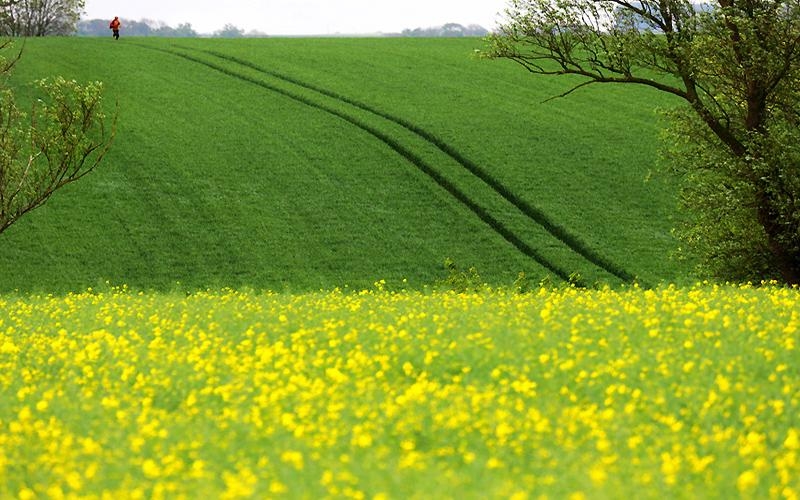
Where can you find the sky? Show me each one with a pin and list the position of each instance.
(303, 17)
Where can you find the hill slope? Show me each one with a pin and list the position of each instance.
(290, 163)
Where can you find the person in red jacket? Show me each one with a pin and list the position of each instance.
(114, 27)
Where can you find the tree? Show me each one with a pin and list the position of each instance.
(39, 17)
(229, 31)
(183, 30)
(447, 30)
(736, 63)
(94, 27)
(133, 28)
(62, 140)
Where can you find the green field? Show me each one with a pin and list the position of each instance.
(297, 164)
(238, 302)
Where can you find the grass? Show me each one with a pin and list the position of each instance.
(295, 164)
(663, 393)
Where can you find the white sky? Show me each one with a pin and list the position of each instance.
(303, 17)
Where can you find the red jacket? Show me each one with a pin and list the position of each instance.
(115, 24)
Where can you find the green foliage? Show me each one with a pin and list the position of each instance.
(224, 175)
(776, 166)
(460, 280)
(22, 18)
(62, 141)
(735, 64)
(522, 284)
(721, 230)
(717, 230)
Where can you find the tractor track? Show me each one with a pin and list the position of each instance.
(530, 212)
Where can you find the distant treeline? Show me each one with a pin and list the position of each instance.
(447, 30)
(147, 27)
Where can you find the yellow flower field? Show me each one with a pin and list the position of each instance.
(562, 393)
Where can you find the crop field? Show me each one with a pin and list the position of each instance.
(248, 298)
(560, 393)
(388, 156)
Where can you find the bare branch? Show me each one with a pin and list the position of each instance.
(568, 92)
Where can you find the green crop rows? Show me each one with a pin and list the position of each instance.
(312, 163)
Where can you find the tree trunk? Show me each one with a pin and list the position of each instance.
(785, 262)
(756, 105)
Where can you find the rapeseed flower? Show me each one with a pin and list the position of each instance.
(670, 392)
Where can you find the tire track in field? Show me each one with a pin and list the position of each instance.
(406, 153)
(534, 214)
(393, 144)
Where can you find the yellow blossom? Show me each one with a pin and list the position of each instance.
(746, 481)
